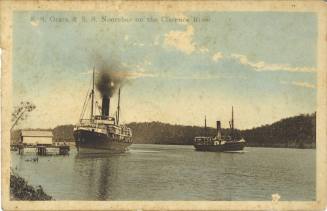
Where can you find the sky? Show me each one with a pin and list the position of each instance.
(178, 70)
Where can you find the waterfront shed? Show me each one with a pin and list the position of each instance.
(36, 137)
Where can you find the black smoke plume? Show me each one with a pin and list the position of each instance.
(108, 81)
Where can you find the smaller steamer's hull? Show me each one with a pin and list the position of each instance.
(233, 146)
(89, 142)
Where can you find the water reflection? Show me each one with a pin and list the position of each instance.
(105, 180)
(101, 172)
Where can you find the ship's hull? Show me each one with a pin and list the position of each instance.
(94, 142)
(232, 146)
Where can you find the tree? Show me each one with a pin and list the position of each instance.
(21, 112)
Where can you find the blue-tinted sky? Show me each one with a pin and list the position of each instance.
(262, 63)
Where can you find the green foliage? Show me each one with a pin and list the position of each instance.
(21, 110)
(163, 133)
(14, 136)
(20, 190)
(63, 133)
(298, 131)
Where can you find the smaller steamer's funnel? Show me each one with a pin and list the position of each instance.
(218, 130)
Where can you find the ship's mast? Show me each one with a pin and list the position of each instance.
(232, 124)
(92, 96)
(205, 125)
(118, 106)
(232, 118)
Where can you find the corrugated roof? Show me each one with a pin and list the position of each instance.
(37, 133)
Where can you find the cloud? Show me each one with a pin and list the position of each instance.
(181, 40)
(140, 70)
(35, 23)
(203, 50)
(200, 77)
(138, 44)
(156, 40)
(300, 83)
(142, 66)
(127, 74)
(217, 56)
(134, 74)
(131, 71)
(263, 66)
(304, 84)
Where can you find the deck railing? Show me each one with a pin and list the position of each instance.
(112, 128)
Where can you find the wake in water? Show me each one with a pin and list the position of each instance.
(142, 151)
(240, 151)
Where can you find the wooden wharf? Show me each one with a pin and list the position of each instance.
(43, 149)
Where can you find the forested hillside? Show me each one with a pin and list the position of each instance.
(63, 133)
(297, 131)
(163, 133)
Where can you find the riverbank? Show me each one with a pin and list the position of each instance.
(307, 146)
(21, 190)
(293, 146)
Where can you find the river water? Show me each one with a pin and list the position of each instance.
(169, 172)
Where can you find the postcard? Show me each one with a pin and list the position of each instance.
(163, 105)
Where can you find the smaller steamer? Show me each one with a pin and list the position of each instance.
(219, 143)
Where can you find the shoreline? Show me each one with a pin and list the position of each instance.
(20, 190)
(72, 144)
(259, 146)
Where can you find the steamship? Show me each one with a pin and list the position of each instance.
(101, 133)
(219, 143)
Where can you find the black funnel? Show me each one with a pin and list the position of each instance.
(105, 106)
(218, 129)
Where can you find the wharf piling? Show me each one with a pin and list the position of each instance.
(43, 150)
